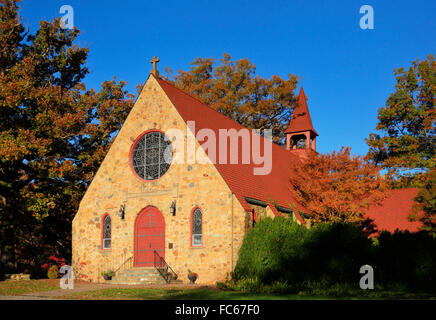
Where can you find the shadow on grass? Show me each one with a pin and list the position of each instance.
(206, 293)
(211, 293)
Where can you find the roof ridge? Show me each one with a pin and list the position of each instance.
(240, 179)
(206, 105)
(223, 115)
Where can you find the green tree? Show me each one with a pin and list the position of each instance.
(53, 135)
(406, 144)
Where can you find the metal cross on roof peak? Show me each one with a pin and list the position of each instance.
(154, 61)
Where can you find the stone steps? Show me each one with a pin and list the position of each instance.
(141, 275)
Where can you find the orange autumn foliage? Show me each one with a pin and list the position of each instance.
(336, 186)
(233, 88)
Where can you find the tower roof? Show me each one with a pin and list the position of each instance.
(301, 120)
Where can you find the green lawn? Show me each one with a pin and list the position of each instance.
(9, 288)
(216, 294)
(176, 294)
(13, 288)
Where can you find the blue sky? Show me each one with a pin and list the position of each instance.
(347, 72)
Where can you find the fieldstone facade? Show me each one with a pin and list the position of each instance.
(190, 185)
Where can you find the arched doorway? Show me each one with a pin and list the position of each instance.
(149, 236)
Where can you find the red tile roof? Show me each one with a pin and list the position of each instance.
(301, 120)
(393, 212)
(272, 188)
(275, 187)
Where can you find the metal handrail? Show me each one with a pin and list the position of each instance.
(117, 264)
(163, 268)
(128, 260)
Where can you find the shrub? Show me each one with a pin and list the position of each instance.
(335, 252)
(53, 272)
(278, 287)
(53, 261)
(279, 250)
(222, 285)
(249, 285)
(109, 273)
(271, 251)
(407, 258)
(278, 255)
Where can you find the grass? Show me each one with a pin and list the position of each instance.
(176, 294)
(210, 293)
(13, 288)
(377, 294)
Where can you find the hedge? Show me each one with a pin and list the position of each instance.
(281, 251)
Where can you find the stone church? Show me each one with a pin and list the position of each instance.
(150, 218)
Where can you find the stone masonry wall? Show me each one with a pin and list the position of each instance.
(190, 185)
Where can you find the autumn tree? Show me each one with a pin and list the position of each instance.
(405, 143)
(335, 187)
(232, 88)
(53, 135)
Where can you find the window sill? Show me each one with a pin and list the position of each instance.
(196, 247)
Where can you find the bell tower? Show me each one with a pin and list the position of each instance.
(300, 134)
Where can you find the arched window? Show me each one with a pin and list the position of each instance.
(106, 232)
(197, 228)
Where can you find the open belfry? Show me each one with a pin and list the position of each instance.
(300, 135)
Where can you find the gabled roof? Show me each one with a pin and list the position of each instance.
(393, 212)
(301, 120)
(273, 188)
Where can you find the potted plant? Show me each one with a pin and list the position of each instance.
(192, 276)
(171, 276)
(108, 275)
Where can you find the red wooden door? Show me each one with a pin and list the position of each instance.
(149, 236)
